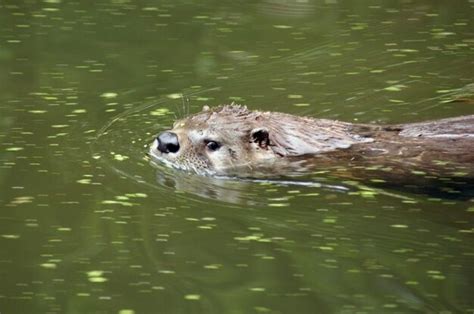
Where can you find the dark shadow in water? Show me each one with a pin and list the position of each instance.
(241, 190)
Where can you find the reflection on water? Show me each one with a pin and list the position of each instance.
(88, 225)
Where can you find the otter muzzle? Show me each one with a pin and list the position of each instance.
(167, 142)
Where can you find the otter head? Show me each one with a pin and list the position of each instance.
(221, 140)
(234, 140)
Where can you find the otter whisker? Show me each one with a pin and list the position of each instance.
(183, 105)
(176, 107)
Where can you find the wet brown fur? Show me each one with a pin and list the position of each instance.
(442, 148)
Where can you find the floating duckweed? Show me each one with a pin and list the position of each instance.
(79, 111)
(14, 149)
(22, 200)
(435, 274)
(301, 105)
(95, 273)
(326, 248)
(48, 265)
(359, 26)
(409, 50)
(257, 289)
(213, 266)
(412, 283)
(353, 271)
(96, 276)
(97, 279)
(108, 202)
(409, 202)
(283, 26)
(191, 219)
(10, 236)
(206, 227)
(120, 157)
(402, 251)
(109, 95)
(160, 112)
(168, 272)
(396, 101)
(253, 237)
(60, 126)
(284, 198)
(390, 306)
(378, 180)
(394, 88)
(175, 96)
(37, 111)
(126, 311)
(138, 195)
(84, 181)
(208, 218)
(399, 226)
(192, 297)
(368, 194)
(291, 96)
(278, 204)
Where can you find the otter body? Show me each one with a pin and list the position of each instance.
(232, 140)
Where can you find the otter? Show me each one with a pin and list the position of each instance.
(233, 140)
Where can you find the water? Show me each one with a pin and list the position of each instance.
(88, 225)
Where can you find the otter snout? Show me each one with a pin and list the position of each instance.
(167, 142)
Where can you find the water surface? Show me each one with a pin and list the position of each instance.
(87, 225)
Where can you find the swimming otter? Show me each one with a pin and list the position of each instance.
(232, 140)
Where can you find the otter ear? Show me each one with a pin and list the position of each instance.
(260, 137)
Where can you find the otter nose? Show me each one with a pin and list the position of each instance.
(168, 142)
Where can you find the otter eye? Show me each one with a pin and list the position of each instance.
(212, 145)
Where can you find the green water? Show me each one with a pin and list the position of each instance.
(87, 225)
